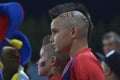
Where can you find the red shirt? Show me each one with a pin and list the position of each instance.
(56, 77)
(86, 67)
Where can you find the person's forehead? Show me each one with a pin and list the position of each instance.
(57, 25)
(55, 21)
(106, 37)
(42, 51)
(109, 39)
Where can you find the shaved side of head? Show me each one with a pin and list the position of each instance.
(75, 18)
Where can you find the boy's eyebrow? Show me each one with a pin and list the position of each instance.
(53, 30)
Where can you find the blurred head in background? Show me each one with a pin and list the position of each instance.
(50, 63)
(10, 59)
(111, 65)
(111, 40)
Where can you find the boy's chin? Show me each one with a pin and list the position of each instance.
(41, 74)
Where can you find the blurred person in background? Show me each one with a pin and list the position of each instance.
(51, 64)
(10, 60)
(111, 65)
(111, 40)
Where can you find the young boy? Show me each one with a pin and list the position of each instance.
(51, 64)
(71, 27)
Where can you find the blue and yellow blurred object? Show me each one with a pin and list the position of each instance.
(15, 43)
(11, 16)
(21, 42)
(1, 70)
(21, 75)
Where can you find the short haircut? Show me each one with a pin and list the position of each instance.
(46, 40)
(61, 58)
(66, 7)
(48, 46)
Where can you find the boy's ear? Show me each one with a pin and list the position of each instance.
(53, 60)
(75, 31)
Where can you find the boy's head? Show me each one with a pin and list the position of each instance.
(10, 60)
(50, 63)
(111, 40)
(111, 65)
(70, 21)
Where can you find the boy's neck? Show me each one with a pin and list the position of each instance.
(55, 72)
(77, 46)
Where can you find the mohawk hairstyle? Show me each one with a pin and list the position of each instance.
(62, 8)
(46, 40)
(66, 7)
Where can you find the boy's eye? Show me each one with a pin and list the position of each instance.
(55, 32)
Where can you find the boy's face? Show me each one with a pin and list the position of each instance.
(61, 36)
(43, 63)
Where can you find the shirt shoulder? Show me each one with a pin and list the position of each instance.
(86, 66)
